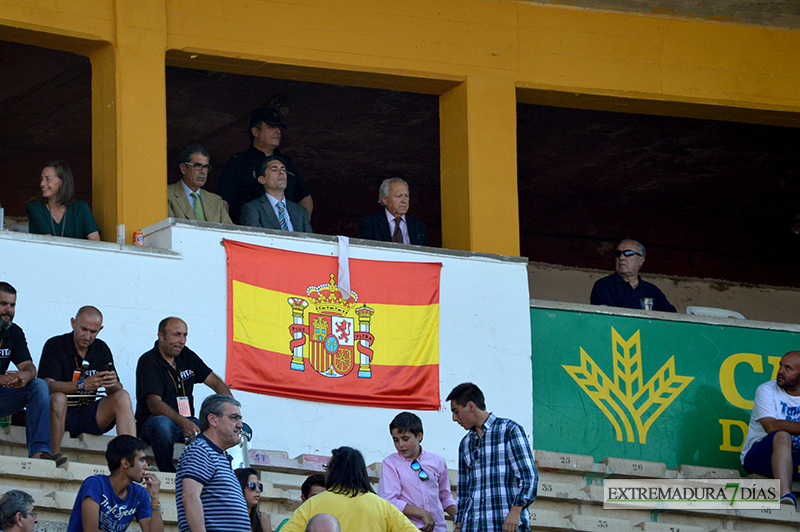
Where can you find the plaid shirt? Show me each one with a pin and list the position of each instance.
(495, 472)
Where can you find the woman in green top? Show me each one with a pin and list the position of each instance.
(56, 211)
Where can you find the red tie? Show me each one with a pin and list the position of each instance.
(397, 236)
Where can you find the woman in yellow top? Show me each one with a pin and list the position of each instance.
(349, 497)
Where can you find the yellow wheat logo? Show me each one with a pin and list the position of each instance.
(644, 402)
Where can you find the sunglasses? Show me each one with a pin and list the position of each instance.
(254, 485)
(418, 468)
(628, 253)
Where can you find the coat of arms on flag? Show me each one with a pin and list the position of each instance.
(292, 333)
(333, 336)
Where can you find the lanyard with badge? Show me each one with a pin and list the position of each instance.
(183, 400)
(83, 397)
(80, 371)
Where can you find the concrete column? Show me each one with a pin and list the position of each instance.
(129, 125)
(478, 131)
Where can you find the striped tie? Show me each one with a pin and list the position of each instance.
(281, 218)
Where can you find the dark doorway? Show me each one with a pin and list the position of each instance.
(45, 115)
(709, 199)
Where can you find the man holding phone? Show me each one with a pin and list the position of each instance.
(77, 365)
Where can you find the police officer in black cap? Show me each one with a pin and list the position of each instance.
(239, 181)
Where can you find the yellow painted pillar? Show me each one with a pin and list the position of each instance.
(129, 125)
(478, 132)
(104, 141)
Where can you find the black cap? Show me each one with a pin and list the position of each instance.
(268, 115)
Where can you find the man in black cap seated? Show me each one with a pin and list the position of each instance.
(625, 289)
(392, 224)
(239, 181)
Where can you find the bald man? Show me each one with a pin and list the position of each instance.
(165, 378)
(323, 523)
(772, 445)
(76, 366)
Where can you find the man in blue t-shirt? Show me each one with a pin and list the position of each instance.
(109, 503)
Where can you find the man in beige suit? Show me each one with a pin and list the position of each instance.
(186, 198)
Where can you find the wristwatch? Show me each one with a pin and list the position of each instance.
(81, 386)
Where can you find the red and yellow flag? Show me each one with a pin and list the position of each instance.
(292, 334)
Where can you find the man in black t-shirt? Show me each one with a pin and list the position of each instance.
(239, 184)
(76, 365)
(21, 389)
(165, 379)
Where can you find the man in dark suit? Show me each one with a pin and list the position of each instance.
(272, 210)
(392, 224)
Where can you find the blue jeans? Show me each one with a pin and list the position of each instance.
(36, 397)
(162, 433)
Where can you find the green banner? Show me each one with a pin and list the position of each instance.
(647, 389)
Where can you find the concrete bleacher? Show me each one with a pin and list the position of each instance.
(570, 489)
(571, 498)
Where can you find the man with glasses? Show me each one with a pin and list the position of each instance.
(165, 379)
(207, 492)
(239, 181)
(16, 512)
(186, 198)
(625, 289)
(273, 210)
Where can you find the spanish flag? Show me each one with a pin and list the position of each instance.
(292, 334)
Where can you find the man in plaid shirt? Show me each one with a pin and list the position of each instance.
(497, 479)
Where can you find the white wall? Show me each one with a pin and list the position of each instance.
(484, 323)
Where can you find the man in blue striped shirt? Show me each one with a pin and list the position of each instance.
(497, 478)
(207, 493)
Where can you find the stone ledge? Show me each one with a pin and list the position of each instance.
(622, 467)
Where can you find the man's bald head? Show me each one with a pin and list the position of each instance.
(86, 324)
(90, 312)
(792, 354)
(788, 377)
(323, 523)
(172, 333)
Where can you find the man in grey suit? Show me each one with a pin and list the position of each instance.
(186, 199)
(273, 210)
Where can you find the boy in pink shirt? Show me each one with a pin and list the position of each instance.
(414, 480)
